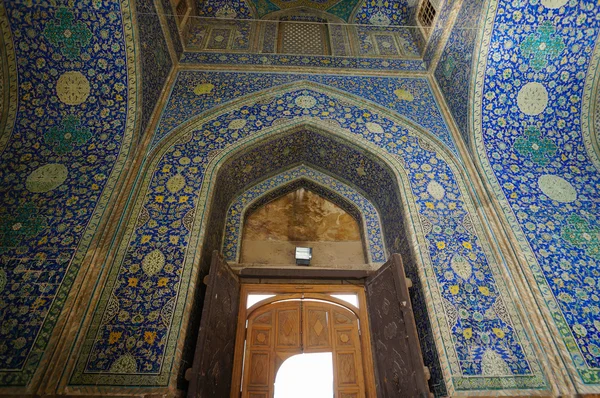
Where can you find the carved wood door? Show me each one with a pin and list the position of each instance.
(213, 360)
(282, 329)
(399, 365)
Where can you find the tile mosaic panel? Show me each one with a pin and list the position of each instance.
(481, 335)
(387, 41)
(196, 92)
(229, 9)
(156, 60)
(170, 15)
(453, 71)
(433, 42)
(382, 13)
(368, 216)
(304, 61)
(76, 71)
(529, 111)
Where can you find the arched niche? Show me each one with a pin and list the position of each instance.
(420, 190)
(300, 217)
(330, 188)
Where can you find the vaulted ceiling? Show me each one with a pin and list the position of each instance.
(508, 87)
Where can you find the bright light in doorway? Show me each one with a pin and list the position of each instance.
(255, 298)
(349, 298)
(305, 375)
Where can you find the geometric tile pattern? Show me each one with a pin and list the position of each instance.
(61, 161)
(533, 95)
(480, 333)
(238, 209)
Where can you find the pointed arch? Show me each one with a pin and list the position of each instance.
(312, 179)
(428, 194)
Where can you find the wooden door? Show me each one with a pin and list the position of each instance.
(400, 371)
(282, 329)
(213, 361)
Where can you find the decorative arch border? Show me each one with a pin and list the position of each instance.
(533, 383)
(371, 224)
(587, 379)
(9, 86)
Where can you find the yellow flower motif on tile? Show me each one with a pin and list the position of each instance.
(454, 289)
(498, 332)
(467, 245)
(183, 199)
(403, 94)
(114, 337)
(132, 282)
(146, 238)
(162, 282)
(174, 239)
(484, 290)
(441, 245)
(159, 198)
(468, 333)
(149, 337)
(203, 88)
(429, 205)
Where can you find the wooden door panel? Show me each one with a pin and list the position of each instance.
(316, 328)
(346, 369)
(288, 328)
(260, 338)
(213, 361)
(397, 354)
(259, 363)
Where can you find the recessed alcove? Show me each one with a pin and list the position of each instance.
(345, 161)
(302, 218)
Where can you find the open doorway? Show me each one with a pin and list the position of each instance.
(290, 380)
(303, 341)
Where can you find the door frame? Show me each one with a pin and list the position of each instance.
(317, 291)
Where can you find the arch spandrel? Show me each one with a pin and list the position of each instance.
(459, 271)
(412, 99)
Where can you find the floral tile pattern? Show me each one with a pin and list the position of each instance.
(61, 160)
(482, 336)
(535, 85)
(453, 71)
(410, 97)
(318, 61)
(372, 228)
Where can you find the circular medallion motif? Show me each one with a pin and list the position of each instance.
(306, 101)
(554, 3)
(374, 128)
(153, 262)
(46, 178)
(261, 337)
(344, 338)
(436, 190)
(404, 95)
(176, 183)
(557, 188)
(203, 88)
(237, 124)
(461, 266)
(532, 98)
(72, 88)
